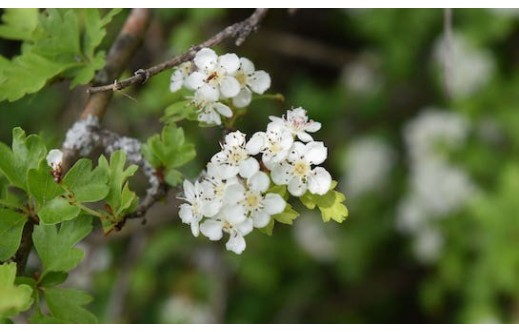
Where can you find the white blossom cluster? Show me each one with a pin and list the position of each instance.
(437, 188)
(232, 196)
(217, 81)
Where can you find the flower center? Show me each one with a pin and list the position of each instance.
(236, 156)
(252, 201)
(301, 168)
(227, 227)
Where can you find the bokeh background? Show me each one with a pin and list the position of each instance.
(422, 125)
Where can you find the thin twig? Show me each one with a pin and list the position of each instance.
(240, 31)
(448, 56)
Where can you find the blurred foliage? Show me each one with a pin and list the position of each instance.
(387, 74)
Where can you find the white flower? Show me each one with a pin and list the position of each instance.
(216, 187)
(55, 158)
(297, 170)
(274, 144)
(258, 206)
(178, 78)
(234, 158)
(298, 123)
(249, 79)
(216, 72)
(198, 206)
(228, 221)
(209, 109)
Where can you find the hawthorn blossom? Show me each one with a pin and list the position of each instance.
(234, 158)
(249, 79)
(258, 206)
(297, 172)
(216, 187)
(216, 72)
(209, 109)
(274, 144)
(179, 76)
(297, 122)
(198, 206)
(228, 221)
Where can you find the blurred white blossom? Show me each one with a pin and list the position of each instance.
(470, 68)
(362, 76)
(367, 165)
(312, 236)
(184, 310)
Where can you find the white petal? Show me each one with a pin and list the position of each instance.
(186, 214)
(316, 153)
(195, 228)
(234, 193)
(312, 126)
(259, 82)
(260, 219)
(223, 109)
(206, 59)
(296, 187)
(235, 214)
(259, 182)
(274, 204)
(212, 229)
(245, 227)
(209, 117)
(298, 150)
(177, 80)
(230, 62)
(54, 157)
(305, 137)
(249, 167)
(243, 98)
(229, 87)
(236, 243)
(256, 143)
(235, 139)
(246, 65)
(195, 80)
(211, 207)
(189, 190)
(227, 171)
(208, 93)
(319, 181)
(281, 174)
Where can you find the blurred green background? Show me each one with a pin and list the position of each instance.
(423, 135)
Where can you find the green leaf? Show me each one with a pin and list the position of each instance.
(178, 111)
(169, 151)
(56, 247)
(57, 210)
(86, 184)
(55, 44)
(330, 204)
(27, 152)
(11, 228)
(14, 299)
(67, 305)
(41, 184)
(120, 198)
(19, 23)
(287, 216)
(53, 278)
